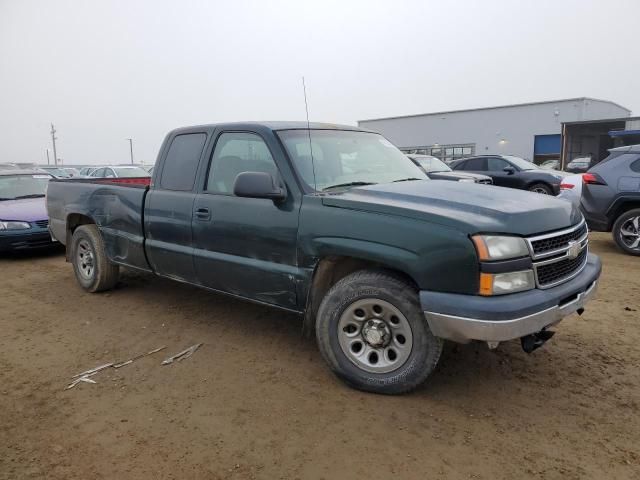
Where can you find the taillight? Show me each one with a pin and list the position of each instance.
(592, 179)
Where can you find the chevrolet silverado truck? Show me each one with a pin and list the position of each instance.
(335, 224)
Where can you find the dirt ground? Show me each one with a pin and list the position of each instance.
(256, 401)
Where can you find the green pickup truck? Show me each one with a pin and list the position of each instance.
(336, 224)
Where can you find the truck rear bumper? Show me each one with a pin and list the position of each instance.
(462, 318)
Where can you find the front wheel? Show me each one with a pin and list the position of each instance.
(93, 269)
(541, 188)
(373, 334)
(626, 231)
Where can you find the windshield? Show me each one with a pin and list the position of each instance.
(23, 186)
(347, 158)
(521, 163)
(432, 164)
(131, 172)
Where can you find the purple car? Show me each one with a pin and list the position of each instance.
(23, 213)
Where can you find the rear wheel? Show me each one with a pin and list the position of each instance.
(626, 232)
(93, 270)
(372, 332)
(541, 188)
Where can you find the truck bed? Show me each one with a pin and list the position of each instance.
(115, 205)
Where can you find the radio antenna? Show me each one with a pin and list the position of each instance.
(306, 107)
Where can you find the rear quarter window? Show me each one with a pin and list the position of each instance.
(635, 165)
(181, 163)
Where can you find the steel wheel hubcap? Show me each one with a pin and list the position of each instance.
(85, 260)
(375, 336)
(630, 232)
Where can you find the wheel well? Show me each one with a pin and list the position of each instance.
(620, 209)
(74, 221)
(539, 182)
(328, 272)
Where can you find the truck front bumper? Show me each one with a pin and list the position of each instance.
(462, 318)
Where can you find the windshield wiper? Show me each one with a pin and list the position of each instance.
(33, 195)
(410, 179)
(3, 198)
(349, 184)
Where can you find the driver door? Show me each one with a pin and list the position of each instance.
(245, 246)
(495, 168)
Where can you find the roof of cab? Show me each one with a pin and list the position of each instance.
(275, 126)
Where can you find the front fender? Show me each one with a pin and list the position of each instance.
(435, 256)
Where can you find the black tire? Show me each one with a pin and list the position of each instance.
(94, 271)
(541, 188)
(371, 285)
(626, 222)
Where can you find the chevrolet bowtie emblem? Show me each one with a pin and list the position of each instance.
(574, 250)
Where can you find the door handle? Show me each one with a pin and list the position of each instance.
(203, 213)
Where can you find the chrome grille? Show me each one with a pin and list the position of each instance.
(559, 256)
(556, 272)
(545, 245)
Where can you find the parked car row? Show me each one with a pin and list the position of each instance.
(512, 171)
(89, 171)
(610, 199)
(436, 169)
(119, 171)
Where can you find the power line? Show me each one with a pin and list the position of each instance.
(53, 139)
(131, 148)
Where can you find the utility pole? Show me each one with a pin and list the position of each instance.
(130, 148)
(48, 161)
(53, 139)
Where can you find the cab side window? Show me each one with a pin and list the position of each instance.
(181, 163)
(238, 152)
(476, 164)
(495, 164)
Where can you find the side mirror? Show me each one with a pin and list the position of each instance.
(509, 170)
(258, 185)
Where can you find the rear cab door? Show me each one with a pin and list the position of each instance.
(169, 205)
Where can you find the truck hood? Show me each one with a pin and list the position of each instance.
(24, 210)
(471, 208)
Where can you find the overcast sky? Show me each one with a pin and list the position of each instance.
(105, 71)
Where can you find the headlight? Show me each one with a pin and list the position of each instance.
(501, 283)
(467, 180)
(494, 247)
(14, 225)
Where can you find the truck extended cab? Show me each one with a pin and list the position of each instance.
(336, 224)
